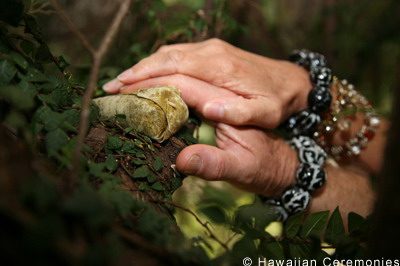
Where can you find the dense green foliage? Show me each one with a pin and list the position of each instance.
(101, 221)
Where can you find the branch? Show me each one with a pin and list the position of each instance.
(205, 225)
(40, 8)
(71, 26)
(92, 84)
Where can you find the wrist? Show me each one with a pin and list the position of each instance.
(285, 171)
(303, 85)
(299, 84)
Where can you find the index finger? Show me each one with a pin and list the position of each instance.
(174, 62)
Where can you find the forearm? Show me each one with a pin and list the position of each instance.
(350, 191)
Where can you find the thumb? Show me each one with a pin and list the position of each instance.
(240, 111)
(206, 161)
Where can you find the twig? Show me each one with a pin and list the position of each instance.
(205, 225)
(126, 169)
(38, 8)
(71, 26)
(92, 84)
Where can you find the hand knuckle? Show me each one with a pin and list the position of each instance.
(217, 46)
(175, 56)
(243, 115)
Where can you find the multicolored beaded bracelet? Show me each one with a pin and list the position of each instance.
(348, 102)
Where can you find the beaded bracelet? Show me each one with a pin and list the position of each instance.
(319, 98)
(310, 176)
(348, 102)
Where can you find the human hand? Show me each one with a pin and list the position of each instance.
(249, 158)
(223, 83)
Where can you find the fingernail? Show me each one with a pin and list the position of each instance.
(124, 76)
(107, 86)
(193, 165)
(214, 110)
(112, 86)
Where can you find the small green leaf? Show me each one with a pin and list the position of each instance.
(35, 128)
(52, 120)
(111, 164)
(94, 114)
(60, 96)
(252, 219)
(7, 72)
(157, 186)
(314, 224)
(272, 249)
(141, 172)
(158, 163)
(35, 75)
(335, 228)
(43, 53)
(19, 59)
(46, 99)
(355, 222)
(128, 147)
(72, 116)
(114, 143)
(143, 187)
(140, 154)
(128, 129)
(28, 47)
(176, 183)
(293, 224)
(138, 143)
(139, 162)
(300, 250)
(147, 139)
(244, 248)
(55, 140)
(151, 178)
(28, 88)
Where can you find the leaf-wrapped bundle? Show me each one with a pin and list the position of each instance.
(158, 112)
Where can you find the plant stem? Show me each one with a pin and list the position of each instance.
(97, 57)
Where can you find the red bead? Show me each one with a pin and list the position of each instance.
(369, 133)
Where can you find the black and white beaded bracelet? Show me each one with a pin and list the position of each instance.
(319, 98)
(310, 176)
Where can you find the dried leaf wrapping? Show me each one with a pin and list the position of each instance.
(158, 112)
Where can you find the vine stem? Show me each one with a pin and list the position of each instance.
(205, 225)
(97, 58)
